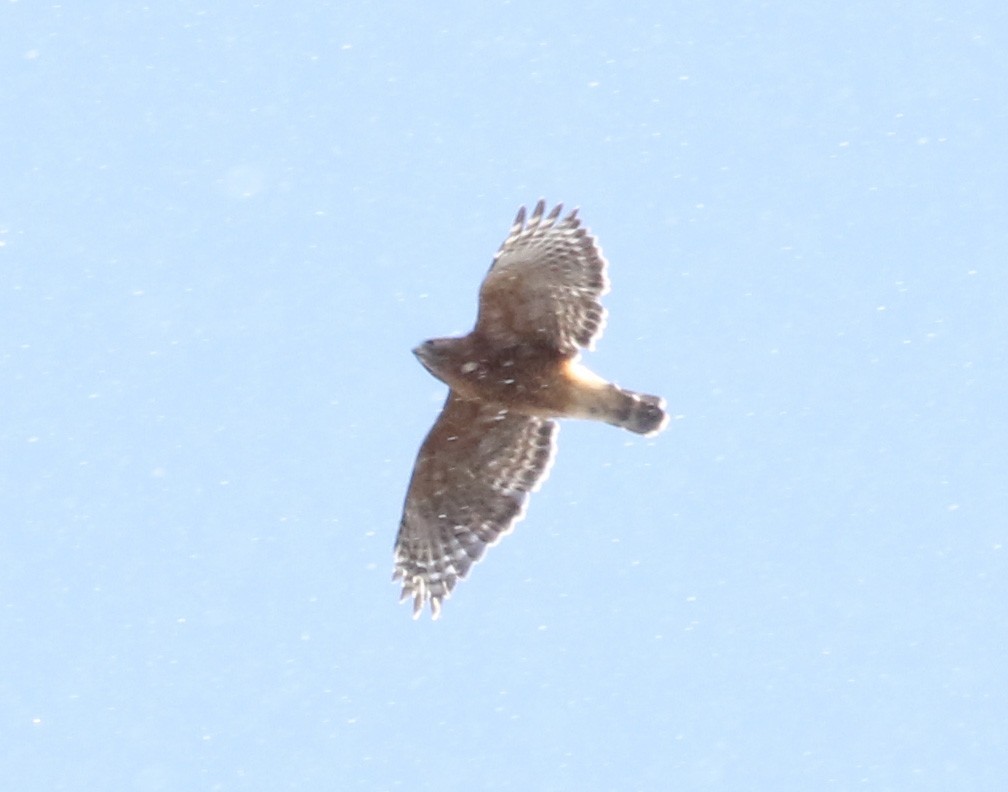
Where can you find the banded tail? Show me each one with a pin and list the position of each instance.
(640, 413)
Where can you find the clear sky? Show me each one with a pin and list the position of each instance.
(225, 225)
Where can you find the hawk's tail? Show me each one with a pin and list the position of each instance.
(639, 412)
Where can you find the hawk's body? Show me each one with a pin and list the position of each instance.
(516, 371)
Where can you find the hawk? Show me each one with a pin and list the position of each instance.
(509, 379)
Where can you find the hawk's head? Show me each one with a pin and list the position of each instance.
(439, 356)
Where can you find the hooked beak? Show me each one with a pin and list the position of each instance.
(425, 354)
(421, 351)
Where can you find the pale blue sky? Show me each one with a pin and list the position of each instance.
(223, 228)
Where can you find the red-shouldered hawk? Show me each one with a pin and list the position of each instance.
(509, 378)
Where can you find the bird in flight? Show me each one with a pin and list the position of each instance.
(509, 380)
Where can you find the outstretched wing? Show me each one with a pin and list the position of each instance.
(544, 284)
(469, 487)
